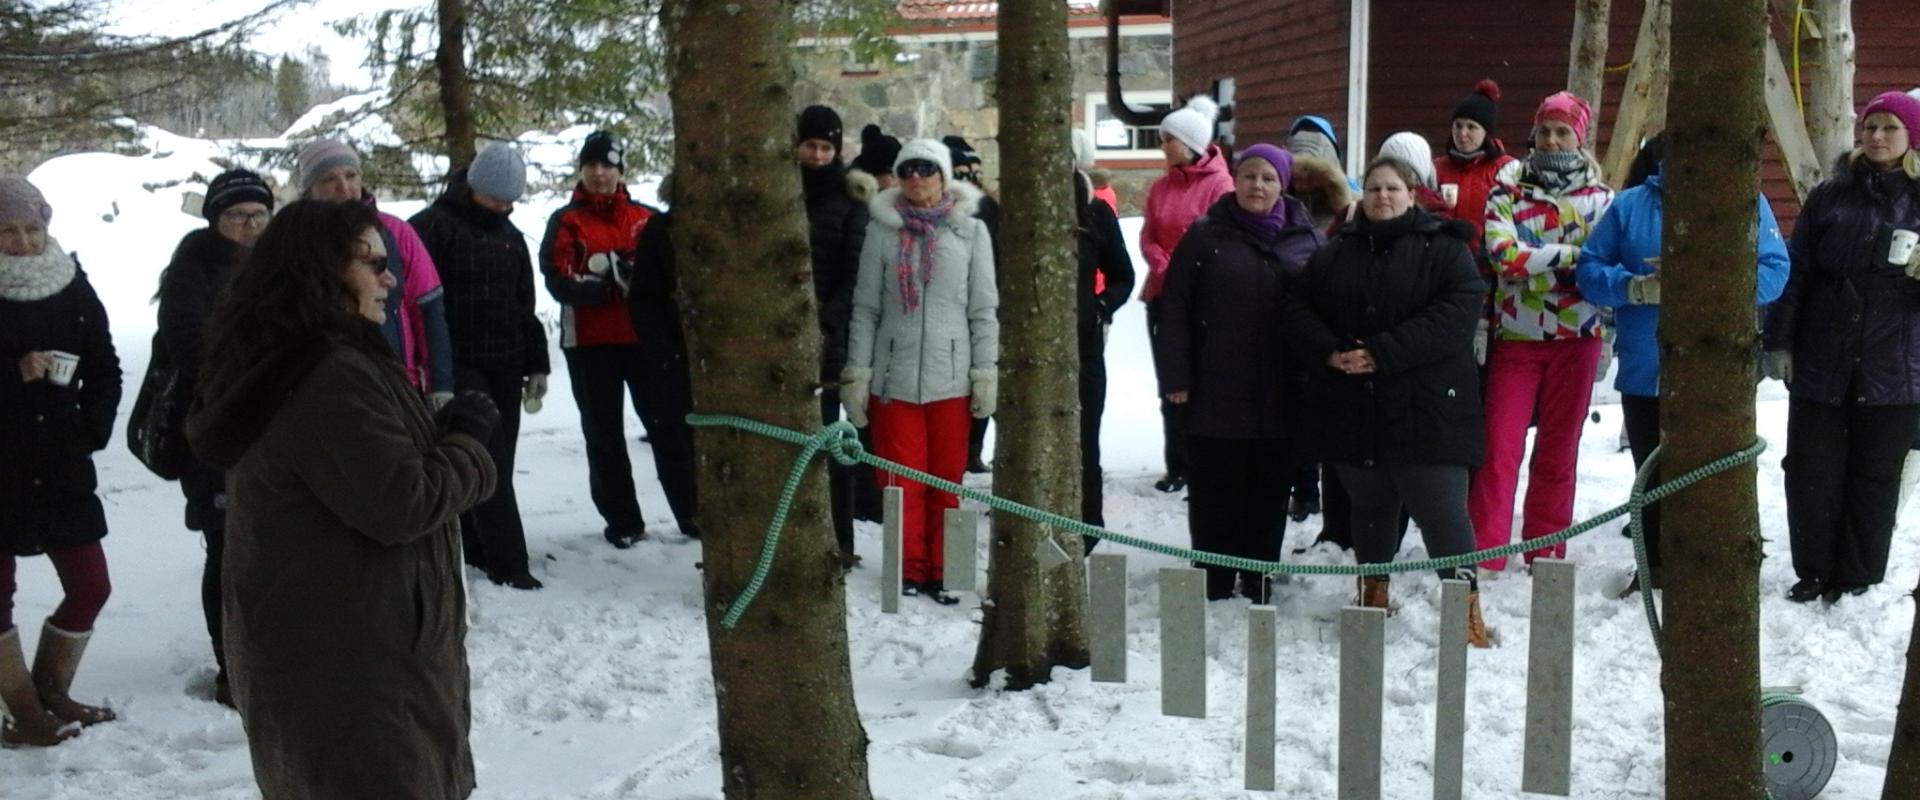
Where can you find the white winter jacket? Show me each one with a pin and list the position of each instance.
(924, 356)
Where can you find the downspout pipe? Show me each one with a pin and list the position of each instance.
(1116, 103)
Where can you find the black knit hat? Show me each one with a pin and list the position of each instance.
(818, 122)
(231, 188)
(602, 148)
(963, 153)
(877, 151)
(1482, 105)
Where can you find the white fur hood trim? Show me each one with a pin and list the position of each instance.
(28, 278)
(966, 201)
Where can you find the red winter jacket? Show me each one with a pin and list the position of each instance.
(1475, 177)
(593, 307)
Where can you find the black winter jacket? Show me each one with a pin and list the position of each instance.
(487, 272)
(191, 287)
(837, 231)
(1103, 251)
(1850, 318)
(48, 433)
(652, 301)
(1218, 337)
(1408, 291)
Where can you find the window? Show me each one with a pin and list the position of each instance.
(1113, 139)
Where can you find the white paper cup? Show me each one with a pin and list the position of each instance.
(64, 365)
(1450, 192)
(1900, 249)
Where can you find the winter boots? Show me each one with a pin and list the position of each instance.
(1373, 592)
(27, 722)
(53, 667)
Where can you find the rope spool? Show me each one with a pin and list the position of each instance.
(1797, 746)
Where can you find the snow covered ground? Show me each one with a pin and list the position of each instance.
(598, 687)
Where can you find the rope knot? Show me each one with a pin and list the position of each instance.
(841, 441)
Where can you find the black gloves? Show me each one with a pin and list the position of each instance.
(472, 413)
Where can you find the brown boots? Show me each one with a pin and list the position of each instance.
(1373, 594)
(53, 666)
(28, 723)
(1476, 624)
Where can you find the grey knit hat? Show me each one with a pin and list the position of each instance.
(21, 200)
(322, 155)
(499, 172)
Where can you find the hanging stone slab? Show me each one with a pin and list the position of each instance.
(1547, 760)
(892, 499)
(1107, 616)
(1363, 657)
(961, 550)
(1183, 642)
(1450, 703)
(1262, 622)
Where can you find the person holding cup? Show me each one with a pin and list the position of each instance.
(59, 394)
(1843, 338)
(1619, 267)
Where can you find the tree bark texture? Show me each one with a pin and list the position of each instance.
(1643, 103)
(1587, 64)
(1903, 762)
(1826, 64)
(1035, 618)
(787, 724)
(456, 94)
(1711, 678)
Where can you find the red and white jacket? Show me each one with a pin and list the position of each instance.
(593, 306)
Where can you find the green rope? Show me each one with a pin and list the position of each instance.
(841, 441)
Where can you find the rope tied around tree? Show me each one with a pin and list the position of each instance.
(840, 441)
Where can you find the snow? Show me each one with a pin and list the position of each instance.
(599, 686)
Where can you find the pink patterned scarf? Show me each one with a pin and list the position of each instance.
(920, 225)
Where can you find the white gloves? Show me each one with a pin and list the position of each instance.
(534, 393)
(855, 383)
(1644, 290)
(1480, 344)
(1778, 365)
(985, 395)
(438, 400)
(600, 263)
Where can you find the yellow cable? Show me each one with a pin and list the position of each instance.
(1799, 12)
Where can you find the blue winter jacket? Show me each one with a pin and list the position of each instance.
(1617, 251)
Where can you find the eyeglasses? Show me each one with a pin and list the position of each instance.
(375, 264)
(917, 169)
(247, 217)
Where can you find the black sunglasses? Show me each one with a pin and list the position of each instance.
(917, 168)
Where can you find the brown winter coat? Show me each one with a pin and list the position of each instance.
(345, 622)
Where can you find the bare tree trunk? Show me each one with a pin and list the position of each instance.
(1036, 619)
(456, 95)
(1903, 762)
(1711, 677)
(1829, 66)
(787, 723)
(1587, 65)
(1643, 104)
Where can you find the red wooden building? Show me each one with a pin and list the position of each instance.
(1375, 67)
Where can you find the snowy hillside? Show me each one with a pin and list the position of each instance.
(598, 686)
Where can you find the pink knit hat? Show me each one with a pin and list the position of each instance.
(1565, 107)
(21, 200)
(1904, 108)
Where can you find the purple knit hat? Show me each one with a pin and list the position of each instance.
(21, 200)
(1902, 107)
(1281, 160)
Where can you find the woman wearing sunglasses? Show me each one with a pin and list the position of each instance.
(924, 348)
(344, 618)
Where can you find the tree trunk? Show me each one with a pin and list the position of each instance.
(1035, 618)
(1643, 103)
(1903, 763)
(787, 723)
(1711, 677)
(456, 96)
(1828, 67)
(1587, 65)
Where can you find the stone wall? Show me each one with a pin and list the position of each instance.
(937, 89)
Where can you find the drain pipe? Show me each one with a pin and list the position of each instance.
(1116, 103)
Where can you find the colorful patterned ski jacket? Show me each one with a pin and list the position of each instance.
(1533, 239)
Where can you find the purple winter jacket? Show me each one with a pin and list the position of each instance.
(1219, 322)
(1851, 318)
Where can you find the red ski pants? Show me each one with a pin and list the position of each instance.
(1550, 382)
(930, 437)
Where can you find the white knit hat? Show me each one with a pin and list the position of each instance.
(1082, 150)
(1413, 149)
(1192, 124)
(932, 150)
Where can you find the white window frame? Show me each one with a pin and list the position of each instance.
(1094, 101)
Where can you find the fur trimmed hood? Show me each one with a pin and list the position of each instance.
(861, 185)
(966, 203)
(1331, 191)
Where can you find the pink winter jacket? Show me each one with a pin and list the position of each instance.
(423, 287)
(1174, 201)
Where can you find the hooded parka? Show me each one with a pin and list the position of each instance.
(922, 356)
